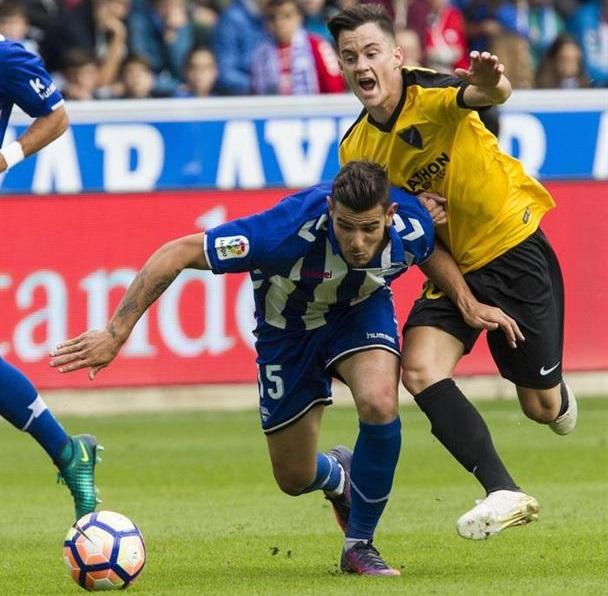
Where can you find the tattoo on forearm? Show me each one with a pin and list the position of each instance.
(132, 303)
(151, 294)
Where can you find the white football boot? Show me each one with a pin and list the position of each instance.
(565, 423)
(499, 510)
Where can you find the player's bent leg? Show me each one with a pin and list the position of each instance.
(293, 452)
(298, 467)
(556, 406)
(428, 356)
(372, 376)
(540, 405)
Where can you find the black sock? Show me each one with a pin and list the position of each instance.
(564, 394)
(462, 431)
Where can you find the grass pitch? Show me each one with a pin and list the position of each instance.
(200, 488)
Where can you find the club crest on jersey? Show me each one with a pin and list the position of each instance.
(231, 247)
(411, 136)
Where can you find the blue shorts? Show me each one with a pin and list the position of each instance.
(294, 366)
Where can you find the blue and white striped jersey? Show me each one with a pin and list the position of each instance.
(294, 259)
(25, 82)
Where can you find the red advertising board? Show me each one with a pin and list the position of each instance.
(65, 261)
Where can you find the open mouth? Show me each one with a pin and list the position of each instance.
(367, 84)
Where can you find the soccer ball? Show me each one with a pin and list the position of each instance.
(104, 551)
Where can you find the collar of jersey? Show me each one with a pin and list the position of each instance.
(392, 254)
(388, 125)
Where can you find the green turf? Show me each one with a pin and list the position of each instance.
(200, 487)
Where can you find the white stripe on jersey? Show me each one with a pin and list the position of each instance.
(326, 293)
(278, 293)
(370, 284)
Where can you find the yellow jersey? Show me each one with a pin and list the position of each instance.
(434, 142)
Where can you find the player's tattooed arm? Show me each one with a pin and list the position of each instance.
(96, 348)
(443, 271)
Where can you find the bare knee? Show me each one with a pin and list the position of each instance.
(379, 405)
(417, 375)
(540, 405)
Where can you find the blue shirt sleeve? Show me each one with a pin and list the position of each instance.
(418, 235)
(266, 241)
(24, 80)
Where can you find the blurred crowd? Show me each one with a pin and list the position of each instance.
(197, 48)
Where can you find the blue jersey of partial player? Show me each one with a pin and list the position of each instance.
(298, 273)
(25, 82)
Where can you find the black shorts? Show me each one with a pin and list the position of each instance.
(526, 283)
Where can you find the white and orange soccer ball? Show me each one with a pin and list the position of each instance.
(104, 551)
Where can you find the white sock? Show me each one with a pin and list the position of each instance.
(350, 542)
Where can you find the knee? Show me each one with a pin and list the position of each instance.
(416, 376)
(540, 406)
(379, 405)
(292, 482)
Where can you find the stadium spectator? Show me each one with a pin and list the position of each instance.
(562, 66)
(110, 38)
(15, 25)
(65, 25)
(239, 30)
(409, 42)
(137, 79)
(200, 74)
(405, 14)
(321, 266)
(291, 61)
(590, 27)
(97, 27)
(514, 52)
(482, 26)
(423, 127)
(445, 45)
(163, 33)
(81, 76)
(316, 14)
(204, 15)
(25, 82)
(536, 20)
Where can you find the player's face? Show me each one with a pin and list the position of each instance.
(371, 65)
(360, 235)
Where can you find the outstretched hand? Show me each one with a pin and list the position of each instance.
(483, 316)
(93, 349)
(484, 70)
(435, 205)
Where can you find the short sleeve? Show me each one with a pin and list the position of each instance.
(250, 243)
(27, 83)
(415, 227)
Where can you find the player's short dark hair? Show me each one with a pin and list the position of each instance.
(361, 185)
(360, 14)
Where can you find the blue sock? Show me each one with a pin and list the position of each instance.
(21, 405)
(371, 476)
(328, 474)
